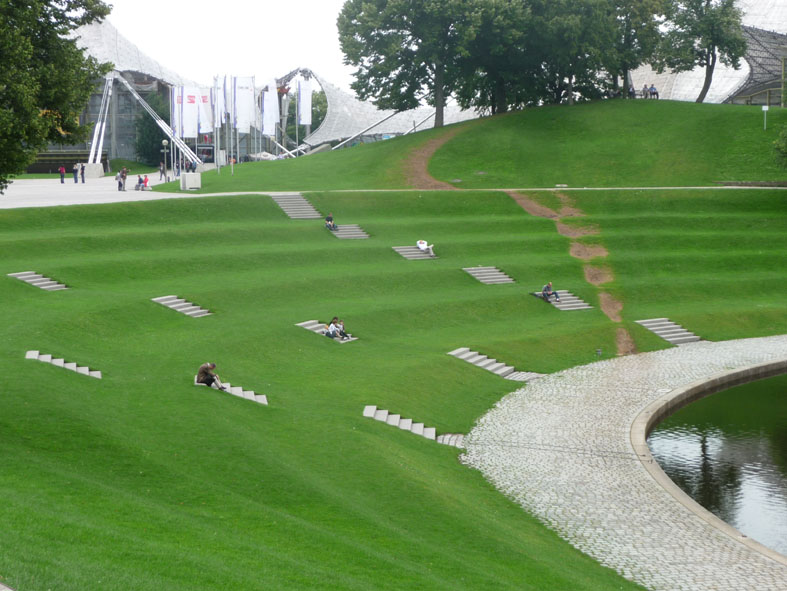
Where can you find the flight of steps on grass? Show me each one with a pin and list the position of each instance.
(296, 207)
(669, 331)
(59, 362)
(493, 365)
(568, 301)
(239, 392)
(413, 253)
(379, 414)
(38, 280)
(349, 232)
(319, 327)
(488, 275)
(182, 306)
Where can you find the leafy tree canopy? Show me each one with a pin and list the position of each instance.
(701, 32)
(45, 79)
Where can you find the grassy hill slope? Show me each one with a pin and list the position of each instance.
(601, 144)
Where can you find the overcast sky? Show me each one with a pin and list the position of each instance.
(263, 38)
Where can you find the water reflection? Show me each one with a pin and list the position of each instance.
(728, 453)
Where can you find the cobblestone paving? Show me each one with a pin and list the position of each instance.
(560, 447)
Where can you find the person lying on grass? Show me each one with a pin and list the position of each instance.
(335, 329)
(424, 246)
(206, 375)
(546, 292)
(329, 222)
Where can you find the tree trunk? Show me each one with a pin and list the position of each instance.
(570, 89)
(439, 94)
(501, 105)
(708, 75)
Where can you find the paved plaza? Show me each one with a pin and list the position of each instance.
(561, 448)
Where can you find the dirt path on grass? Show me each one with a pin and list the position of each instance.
(594, 274)
(415, 166)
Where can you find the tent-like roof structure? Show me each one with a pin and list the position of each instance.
(348, 116)
(103, 42)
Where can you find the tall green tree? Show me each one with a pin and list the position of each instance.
(404, 51)
(45, 79)
(574, 38)
(494, 66)
(636, 34)
(149, 134)
(702, 33)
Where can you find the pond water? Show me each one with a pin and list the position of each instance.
(728, 451)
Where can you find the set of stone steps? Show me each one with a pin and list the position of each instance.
(59, 362)
(182, 306)
(349, 231)
(669, 331)
(239, 392)
(488, 275)
(493, 365)
(393, 420)
(568, 301)
(452, 439)
(38, 280)
(319, 327)
(413, 253)
(296, 207)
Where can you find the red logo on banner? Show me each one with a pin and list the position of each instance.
(192, 99)
(205, 98)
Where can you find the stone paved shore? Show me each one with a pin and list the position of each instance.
(561, 448)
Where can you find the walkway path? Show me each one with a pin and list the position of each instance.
(561, 448)
(48, 193)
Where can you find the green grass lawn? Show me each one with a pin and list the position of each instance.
(143, 481)
(615, 144)
(601, 144)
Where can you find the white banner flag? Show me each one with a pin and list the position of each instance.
(305, 102)
(270, 110)
(243, 114)
(189, 111)
(204, 111)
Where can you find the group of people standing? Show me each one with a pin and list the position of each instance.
(79, 169)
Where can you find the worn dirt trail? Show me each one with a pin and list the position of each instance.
(594, 274)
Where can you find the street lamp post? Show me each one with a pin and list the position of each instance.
(164, 144)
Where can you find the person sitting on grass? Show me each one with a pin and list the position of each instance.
(206, 375)
(329, 223)
(340, 330)
(547, 292)
(424, 246)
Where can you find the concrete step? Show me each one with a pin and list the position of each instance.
(504, 371)
(458, 351)
(466, 355)
(33, 278)
(417, 428)
(164, 299)
(412, 253)
(381, 415)
(57, 287)
(393, 420)
(429, 433)
(85, 371)
(368, 411)
(181, 305)
(486, 363)
(406, 424)
(683, 340)
(95, 374)
(668, 330)
(21, 274)
(648, 321)
(31, 355)
(58, 362)
(45, 358)
(199, 313)
(71, 366)
(495, 366)
(476, 359)
(261, 399)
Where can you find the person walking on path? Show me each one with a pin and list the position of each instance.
(123, 176)
(546, 292)
(82, 173)
(62, 171)
(119, 179)
(76, 173)
(206, 375)
(161, 171)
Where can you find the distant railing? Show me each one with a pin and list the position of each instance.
(768, 96)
